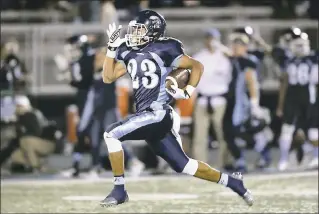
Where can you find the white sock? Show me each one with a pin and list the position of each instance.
(223, 179)
(284, 146)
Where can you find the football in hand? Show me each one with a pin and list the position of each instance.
(180, 75)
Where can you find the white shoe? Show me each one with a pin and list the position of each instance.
(136, 167)
(68, 173)
(313, 163)
(283, 165)
(93, 174)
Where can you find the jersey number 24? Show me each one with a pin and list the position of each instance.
(149, 80)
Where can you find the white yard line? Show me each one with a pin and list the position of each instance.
(59, 181)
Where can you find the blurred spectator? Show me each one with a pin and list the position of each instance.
(29, 128)
(13, 72)
(211, 101)
(108, 12)
(13, 78)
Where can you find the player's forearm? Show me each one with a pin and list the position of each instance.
(197, 70)
(253, 88)
(108, 73)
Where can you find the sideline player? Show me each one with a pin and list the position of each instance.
(295, 94)
(149, 57)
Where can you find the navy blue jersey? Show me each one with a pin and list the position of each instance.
(241, 65)
(82, 69)
(148, 68)
(300, 71)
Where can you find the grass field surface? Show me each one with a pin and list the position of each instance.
(273, 193)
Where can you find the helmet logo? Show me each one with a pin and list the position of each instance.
(156, 21)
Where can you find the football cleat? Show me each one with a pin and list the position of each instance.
(247, 196)
(313, 164)
(283, 165)
(115, 198)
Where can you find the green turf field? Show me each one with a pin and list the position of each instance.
(294, 192)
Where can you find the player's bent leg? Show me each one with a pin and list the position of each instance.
(170, 149)
(285, 141)
(137, 127)
(116, 155)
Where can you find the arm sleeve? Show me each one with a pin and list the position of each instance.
(247, 63)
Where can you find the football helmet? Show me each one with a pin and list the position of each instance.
(148, 26)
(242, 35)
(74, 45)
(300, 44)
(286, 36)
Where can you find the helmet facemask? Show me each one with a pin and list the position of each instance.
(136, 34)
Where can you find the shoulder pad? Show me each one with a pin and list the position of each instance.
(170, 40)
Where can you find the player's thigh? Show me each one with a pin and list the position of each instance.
(170, 149)
(290, 113)
(142, 126)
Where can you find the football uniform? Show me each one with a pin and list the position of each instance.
(154, 121)
(280, 56)
(82, 75)
(313, 99)
(241, 112)
(298, 92)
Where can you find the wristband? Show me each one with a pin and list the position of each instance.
(110, 53)
(254, 102)
(189, 89)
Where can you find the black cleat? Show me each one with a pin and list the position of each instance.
(241, 190)
(115, 198)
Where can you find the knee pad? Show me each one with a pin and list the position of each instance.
(287, 132)
(113, 145)
(191, 167)
(313, 134)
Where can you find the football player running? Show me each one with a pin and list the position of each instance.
(149, 57)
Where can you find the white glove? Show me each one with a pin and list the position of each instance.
(257, 111)
(178, 93)
(115, 40)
